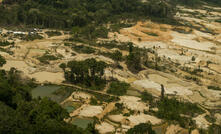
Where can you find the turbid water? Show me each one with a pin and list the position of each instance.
(44, 91)
(70, 108)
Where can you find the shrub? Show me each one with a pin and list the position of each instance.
(143, 128)
(118, 88)
(53, 33)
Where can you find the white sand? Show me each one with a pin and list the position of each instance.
(173, 55)
(147, 84)
(201, 122)
(143, 118)
(169, 88)
(218, 118)
(187, 40)
(91, 111)
(105, 128)
(116, 118)
(133, 103)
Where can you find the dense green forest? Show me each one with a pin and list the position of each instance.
(20, 114)
(78, 13)
(88, 73)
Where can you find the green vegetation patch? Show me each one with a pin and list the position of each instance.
(32, 37)
(6, 43)
(53, 33)
(214, 88)
(88, 73)
(47, 57)
(171, 109)
(6, 51)
(118, 88)
(84, 49)
(142, 128)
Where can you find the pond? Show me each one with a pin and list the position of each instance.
(49, 91)
(44, 91)
(82, 122)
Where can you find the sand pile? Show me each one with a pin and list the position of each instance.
(201, 122)
(91, 111)
(105, 128)
(218, 118)
(173, 129)
(116, 118)
(147, 84)
(187, 40)
(133, 103)
(143, 118)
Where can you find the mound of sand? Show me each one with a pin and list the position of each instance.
(91, 111)
(187, 40)
(143, 118)
(116, 118)
(105, 128)
(218, 118)
(201, 122)
(173, 129)
(147, 84)
(133, 103)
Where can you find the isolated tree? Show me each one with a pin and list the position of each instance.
(162, 92)
(193, 58)
(130, 44)
(117, 56)
(2, 61)
(63, 66)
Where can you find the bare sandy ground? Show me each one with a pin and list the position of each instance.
(19, 65)
(105, 128)
(116, 118)
(201, 122)
(143, 118)
(133, 103)
(218, 118)
(173, 129)
(187, 40)
(43, 77)
(106, 110)
(91, 111)
(171, 88)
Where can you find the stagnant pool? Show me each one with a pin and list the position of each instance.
(44, 91)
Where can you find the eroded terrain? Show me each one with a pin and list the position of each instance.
(190, 54)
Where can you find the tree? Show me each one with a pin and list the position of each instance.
(117, 56)
(145, 96)
(118, 88)
(2, 61)
(193, 58)
(63, 66)
(162, 92)
(142, 128)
